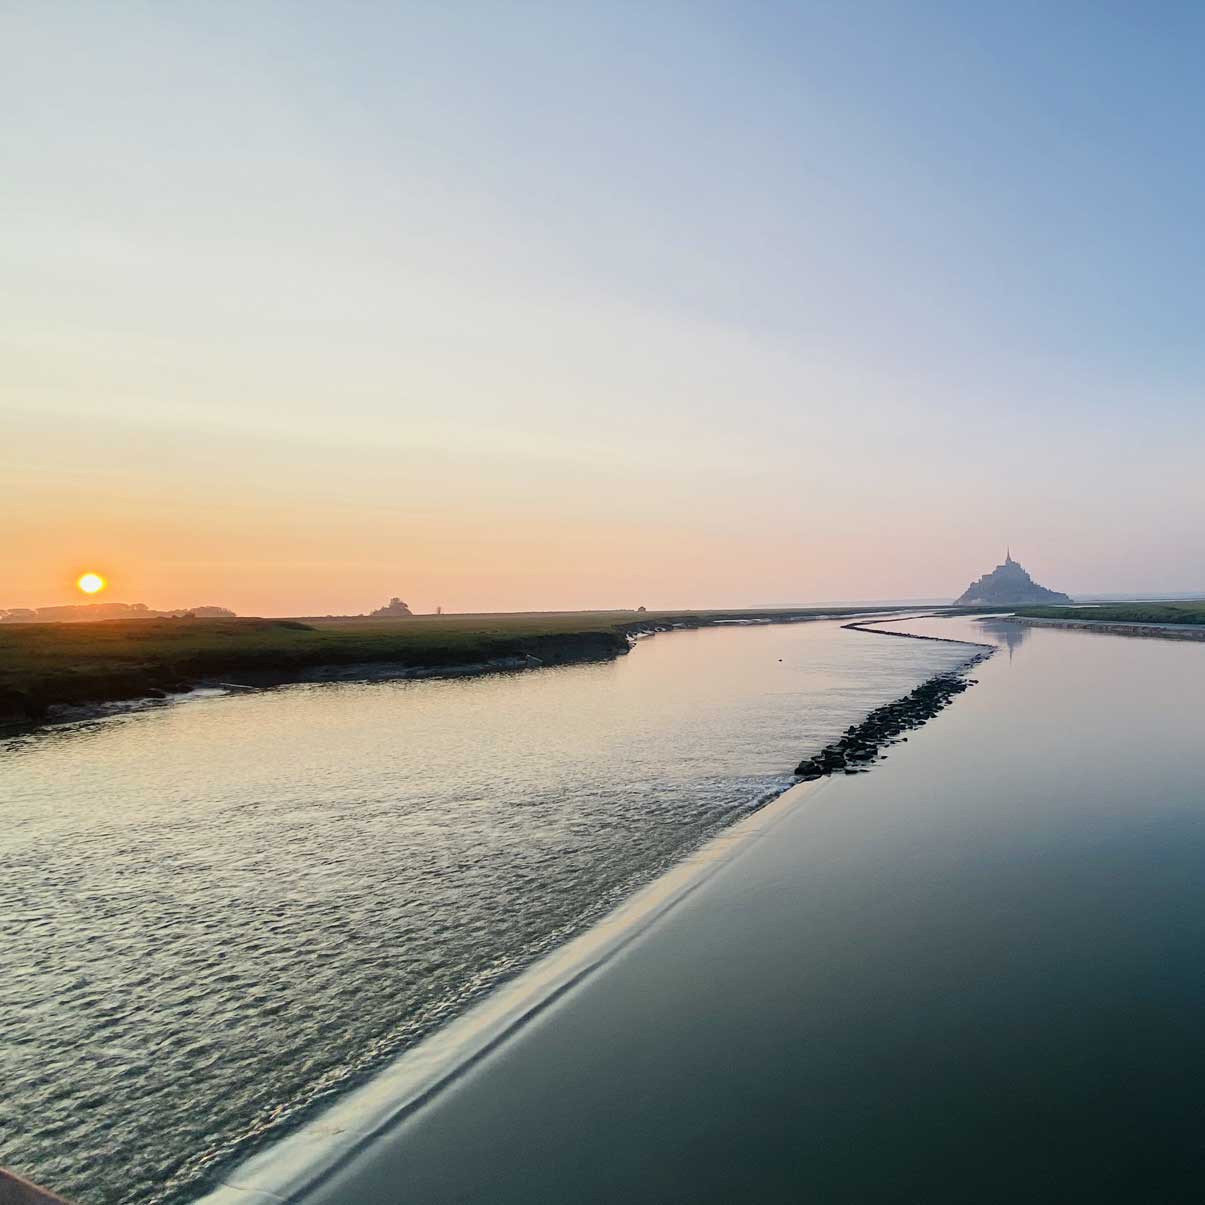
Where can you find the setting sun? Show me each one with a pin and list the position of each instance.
(91, 583)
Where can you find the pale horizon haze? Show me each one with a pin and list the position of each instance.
(558, 306)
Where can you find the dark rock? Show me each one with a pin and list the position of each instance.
(15, 706)
(886, 724)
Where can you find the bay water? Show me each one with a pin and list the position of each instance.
(216, 915)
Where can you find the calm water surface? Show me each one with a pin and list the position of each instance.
(974, 975)
(215, 915)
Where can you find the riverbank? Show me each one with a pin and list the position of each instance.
(1179, 614)
(52, 671)
(1163, 631)
(948, 981)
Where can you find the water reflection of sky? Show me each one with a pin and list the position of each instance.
(986, 629)
(235, 907)
(1005, 632)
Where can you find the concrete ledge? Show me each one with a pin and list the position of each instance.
(15, 1191)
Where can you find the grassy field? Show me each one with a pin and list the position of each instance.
(42, 665)
(1143, 612)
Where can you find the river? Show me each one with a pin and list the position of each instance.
(974, 974)
(216, 916)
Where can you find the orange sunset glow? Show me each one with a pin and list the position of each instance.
(305, 400)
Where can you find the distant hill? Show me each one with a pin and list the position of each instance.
(86, 612)
(393, 609)
(1008, 585)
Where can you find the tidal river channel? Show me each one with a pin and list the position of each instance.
(974, 974)
(217, 915)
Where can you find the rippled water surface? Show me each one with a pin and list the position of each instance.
(215, 915)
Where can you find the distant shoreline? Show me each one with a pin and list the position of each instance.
(65, 673)
(62, 673)
(1115, 627)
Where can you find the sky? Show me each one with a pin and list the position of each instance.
(508, 306)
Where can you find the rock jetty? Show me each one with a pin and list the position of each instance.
(886, 725)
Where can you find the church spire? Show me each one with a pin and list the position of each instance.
(1008, 554)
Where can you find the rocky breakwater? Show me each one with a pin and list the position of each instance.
(861, 744)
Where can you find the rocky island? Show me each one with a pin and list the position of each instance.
(1008, 585)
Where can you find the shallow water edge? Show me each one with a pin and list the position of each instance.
(304, 1159)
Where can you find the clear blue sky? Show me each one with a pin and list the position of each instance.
(504, 305)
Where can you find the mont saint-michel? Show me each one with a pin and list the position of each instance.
(1008, 585)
